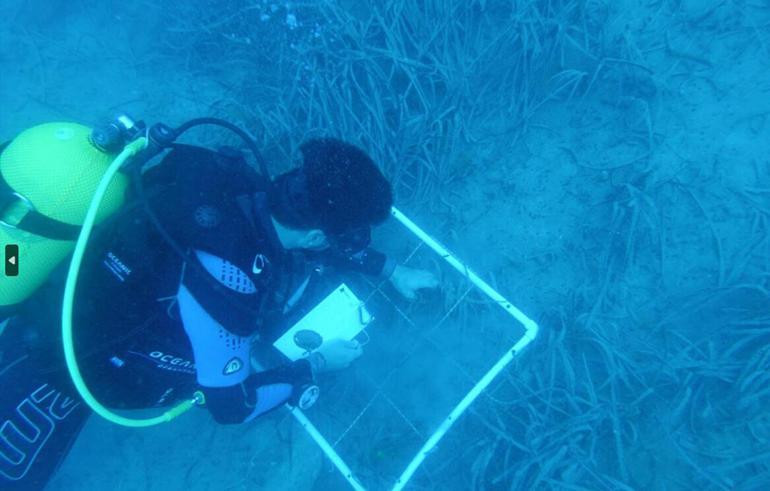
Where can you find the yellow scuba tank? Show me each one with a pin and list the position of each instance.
(50, 173)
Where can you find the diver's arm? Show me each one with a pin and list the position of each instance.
(259, 393)
(233, 395)
(407, 281)
(368, 261)
(373, 262)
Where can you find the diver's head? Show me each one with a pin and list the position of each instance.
(332, 199)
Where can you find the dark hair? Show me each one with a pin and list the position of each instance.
(337, 188)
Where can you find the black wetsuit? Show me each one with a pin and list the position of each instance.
(152, 326)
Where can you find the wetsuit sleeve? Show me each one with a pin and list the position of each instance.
(259, 393)
(367, 261)
(372, 262)
(233, 395)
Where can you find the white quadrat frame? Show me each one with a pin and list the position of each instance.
(530, 332)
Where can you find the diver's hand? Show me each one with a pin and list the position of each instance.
(408, 280)
(335, 355)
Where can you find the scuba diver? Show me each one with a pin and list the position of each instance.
(197, 264)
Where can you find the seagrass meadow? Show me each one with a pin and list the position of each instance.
(605, 165)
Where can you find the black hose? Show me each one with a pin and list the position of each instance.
(244, 136)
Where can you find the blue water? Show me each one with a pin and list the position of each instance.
(604, 165)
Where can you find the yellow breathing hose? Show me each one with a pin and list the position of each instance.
(69, 296)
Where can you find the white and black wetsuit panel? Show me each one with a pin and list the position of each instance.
(222, 358)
